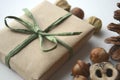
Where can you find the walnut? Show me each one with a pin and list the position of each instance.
(115, 52)
(103, 71)
(117, 15)
(63, 4)
(113, 40)
(98, 55)
(114, 27)
(81, 68)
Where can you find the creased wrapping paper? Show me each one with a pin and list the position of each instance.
(33, 64)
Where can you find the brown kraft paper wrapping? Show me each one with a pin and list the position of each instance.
(33, 64)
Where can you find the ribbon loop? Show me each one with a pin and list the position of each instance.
(36, 32)
(26, 24)
(51, 39)
(57, 22)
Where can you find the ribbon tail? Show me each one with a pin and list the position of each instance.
(57, 22)
(19, 48)
(61, 34)
(66, 46)
(52, 39)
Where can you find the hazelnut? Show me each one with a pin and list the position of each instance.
(96, 22)
(81, 68)
(98, 55)
(103, 71)
(78, 12)
(63, 4)
(80, 77)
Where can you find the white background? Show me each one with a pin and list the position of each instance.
(102, 9)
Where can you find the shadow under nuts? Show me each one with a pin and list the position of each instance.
(78, 12)
(103, 71)
(98, 55)
(81, 68)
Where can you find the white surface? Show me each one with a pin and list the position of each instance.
(100, 8)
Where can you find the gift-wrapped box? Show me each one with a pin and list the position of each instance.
(31, 62)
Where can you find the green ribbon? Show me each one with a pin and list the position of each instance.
(36, 32)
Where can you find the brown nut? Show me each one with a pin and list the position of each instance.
(118, 5)
(63, 4)
(113, 40)
(115, 52)
(78, 12)
(80, 77)
(117, 15)
(80, 68)
(96, 22)
(98, 55)
(103, 71)
(114, 27)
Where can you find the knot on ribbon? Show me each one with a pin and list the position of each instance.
(37, 32)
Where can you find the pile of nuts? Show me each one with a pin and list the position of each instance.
(66, 6)
(78, 12)
(101, 68)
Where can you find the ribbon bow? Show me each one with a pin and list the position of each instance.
(36, 32)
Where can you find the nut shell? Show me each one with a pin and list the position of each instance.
(98, 55)
(96, 22)
(103, 71)
(78, 12)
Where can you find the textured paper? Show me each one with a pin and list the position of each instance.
(33, 64)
